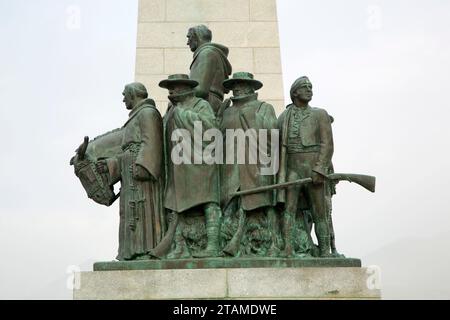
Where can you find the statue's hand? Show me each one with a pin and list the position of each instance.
(140, 173)
(317, 178)
(101, 166)
(171, 217)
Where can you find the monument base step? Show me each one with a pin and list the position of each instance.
(225, 283)
(227, 263)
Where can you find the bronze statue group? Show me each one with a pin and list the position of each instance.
(208, 210)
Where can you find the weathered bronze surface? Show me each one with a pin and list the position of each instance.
(138, 165)
(220, 263)
(210, 66)
(306, 151)
(191, 186)
(247, 112)
(183, 207)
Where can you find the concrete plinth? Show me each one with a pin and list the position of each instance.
(231, 283)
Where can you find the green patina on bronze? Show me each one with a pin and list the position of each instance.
(247, 112)
(198, 215)
(191, 187)
(218, 263)
(210, 66)
(132, 155)
(306, 151)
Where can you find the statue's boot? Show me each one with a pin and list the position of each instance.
(273, 251)
(213, 218)
(288, 230)
(336, 254)
(323, 237)
(324, 247)
(233, 247)
(180, 252)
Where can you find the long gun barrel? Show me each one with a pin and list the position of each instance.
(367, 182)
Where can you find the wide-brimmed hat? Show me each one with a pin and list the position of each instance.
(178, 79)
(240, 77)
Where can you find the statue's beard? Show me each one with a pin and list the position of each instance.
(180, 97)
(244, 96)
(194, 46)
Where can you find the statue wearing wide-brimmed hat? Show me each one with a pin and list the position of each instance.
(190, 184)
(179, 81)
(247, 113)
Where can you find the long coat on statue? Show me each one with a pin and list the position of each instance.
(314, 133)
(210, 67)
(252, 114)
(142, 222)
(189, 184)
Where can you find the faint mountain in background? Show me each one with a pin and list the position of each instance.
(414, 268)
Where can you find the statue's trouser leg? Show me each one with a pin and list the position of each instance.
(274, 228)
(332, 236)
(317, 198)
(292, 194)
(328, 208)
(288, 233)
(213, 215)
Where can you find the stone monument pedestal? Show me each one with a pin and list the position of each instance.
(227, 279)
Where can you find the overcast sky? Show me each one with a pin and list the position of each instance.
(380, 68)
